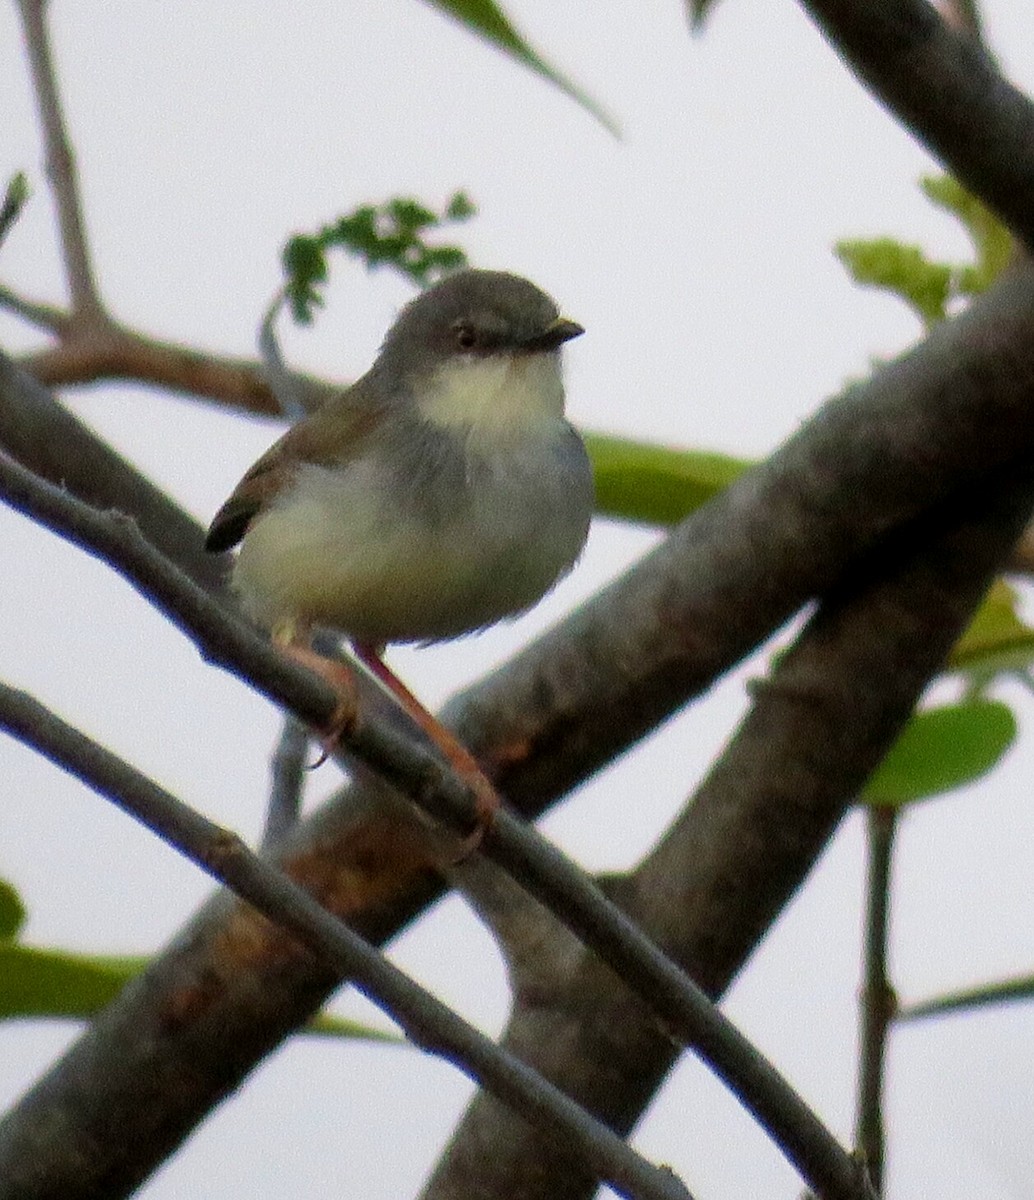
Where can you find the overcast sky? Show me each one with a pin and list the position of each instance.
(697, 253)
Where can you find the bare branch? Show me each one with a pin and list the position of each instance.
(287, 778)
(547, 874)
(60, 159)
(942, 420)
(877, 998)
(942, 85)
(426, 1020)
(735, 856)
(45, 316)
(110, 351)
(42, 434)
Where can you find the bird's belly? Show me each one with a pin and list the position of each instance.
(381, 572)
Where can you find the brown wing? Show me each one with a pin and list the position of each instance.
(332, 434)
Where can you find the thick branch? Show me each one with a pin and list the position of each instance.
(730, 863)
(945, 417)
(944, 86)
(425, 1019)
(547, 874)
(43, 435)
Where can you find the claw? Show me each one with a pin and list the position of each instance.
(341, 678)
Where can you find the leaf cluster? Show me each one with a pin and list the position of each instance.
(392, 234)
(930, 287)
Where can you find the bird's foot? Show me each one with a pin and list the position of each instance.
(340, 677)
(486, 798)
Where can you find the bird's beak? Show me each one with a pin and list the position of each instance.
(555, 334)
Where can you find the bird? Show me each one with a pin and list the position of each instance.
(442, 492)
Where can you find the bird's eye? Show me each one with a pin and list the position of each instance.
(465, 336)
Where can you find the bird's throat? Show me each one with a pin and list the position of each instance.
(495, 396)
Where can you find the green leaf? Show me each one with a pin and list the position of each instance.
(996, 639)
(391, 234)
(12, 910)
(15, 195)
(992, 242)
(327, 1025)
(698, 11)
(486, 20)
(902, 270)
(460, 207)
(305, 266)
(51, 983)
(37, 983)
(655, 485)
(1005, 992)
(941, 749)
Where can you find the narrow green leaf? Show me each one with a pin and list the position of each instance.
(486, 20)
(50, 983)
(1004, 992)
(15, 195)
(941, 749)
(327, 1025)
(12, 910)
(655, 485)
(698, 11)
(37, 983)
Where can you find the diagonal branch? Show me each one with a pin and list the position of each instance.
(543, 871)
(943, 419)
(733, 859)
(43, 435)
(942, 84)
(45, 316)
(426, 1020)
(61, 170)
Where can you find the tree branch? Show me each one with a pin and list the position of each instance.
(733, 859)
(943, 86)
(878, 1001)
(60, 159)
(113, 352)
(45, 316)
(426, 1020)
(944, 418)
(542, 870)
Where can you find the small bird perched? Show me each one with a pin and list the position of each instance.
(440, 493)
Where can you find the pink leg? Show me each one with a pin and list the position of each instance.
(341, 678)
(456, 754)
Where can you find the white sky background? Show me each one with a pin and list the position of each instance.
(697, 253)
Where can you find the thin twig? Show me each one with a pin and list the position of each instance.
(287, 388)
(541, 869)
(426, 1020)
(116, 352)
(60, 160)
(287, 779)
(878, 1001)
(45, 316)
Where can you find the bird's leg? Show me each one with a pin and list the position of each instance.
(294, 640)
(456, 754)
